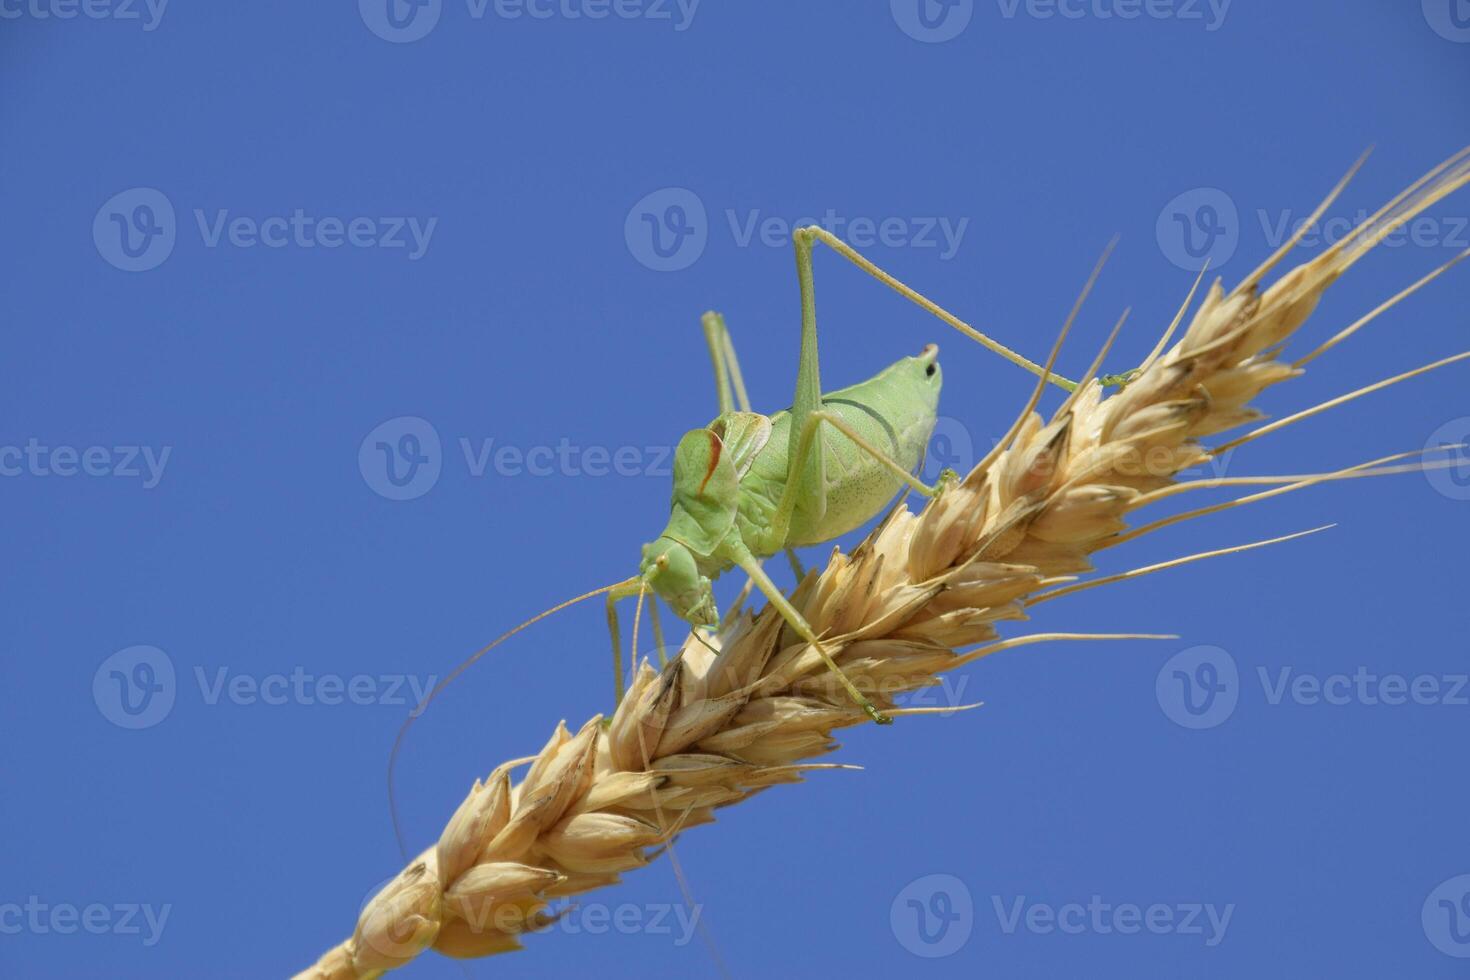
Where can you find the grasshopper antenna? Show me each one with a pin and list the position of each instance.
(450, 678)
(685, 891)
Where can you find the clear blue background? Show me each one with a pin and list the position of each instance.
(530, 320)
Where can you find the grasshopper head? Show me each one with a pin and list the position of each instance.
(702, 514)
(670, 569)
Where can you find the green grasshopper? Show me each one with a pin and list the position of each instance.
(748, 486)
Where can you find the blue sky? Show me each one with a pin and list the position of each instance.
(246, 245)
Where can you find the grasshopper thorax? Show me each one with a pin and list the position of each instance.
(701, 517)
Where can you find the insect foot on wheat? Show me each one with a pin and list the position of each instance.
(922, 594)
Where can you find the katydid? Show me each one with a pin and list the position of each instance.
(748, 485)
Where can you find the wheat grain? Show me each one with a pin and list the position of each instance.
(750, 710)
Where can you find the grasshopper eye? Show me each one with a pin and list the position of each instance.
(662, 561)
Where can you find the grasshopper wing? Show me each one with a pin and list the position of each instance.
(744, 434)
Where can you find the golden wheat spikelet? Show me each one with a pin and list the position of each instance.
(721, 722)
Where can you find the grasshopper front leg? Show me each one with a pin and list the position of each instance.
(615, 633)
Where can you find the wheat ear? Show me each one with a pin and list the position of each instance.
(723, 721)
